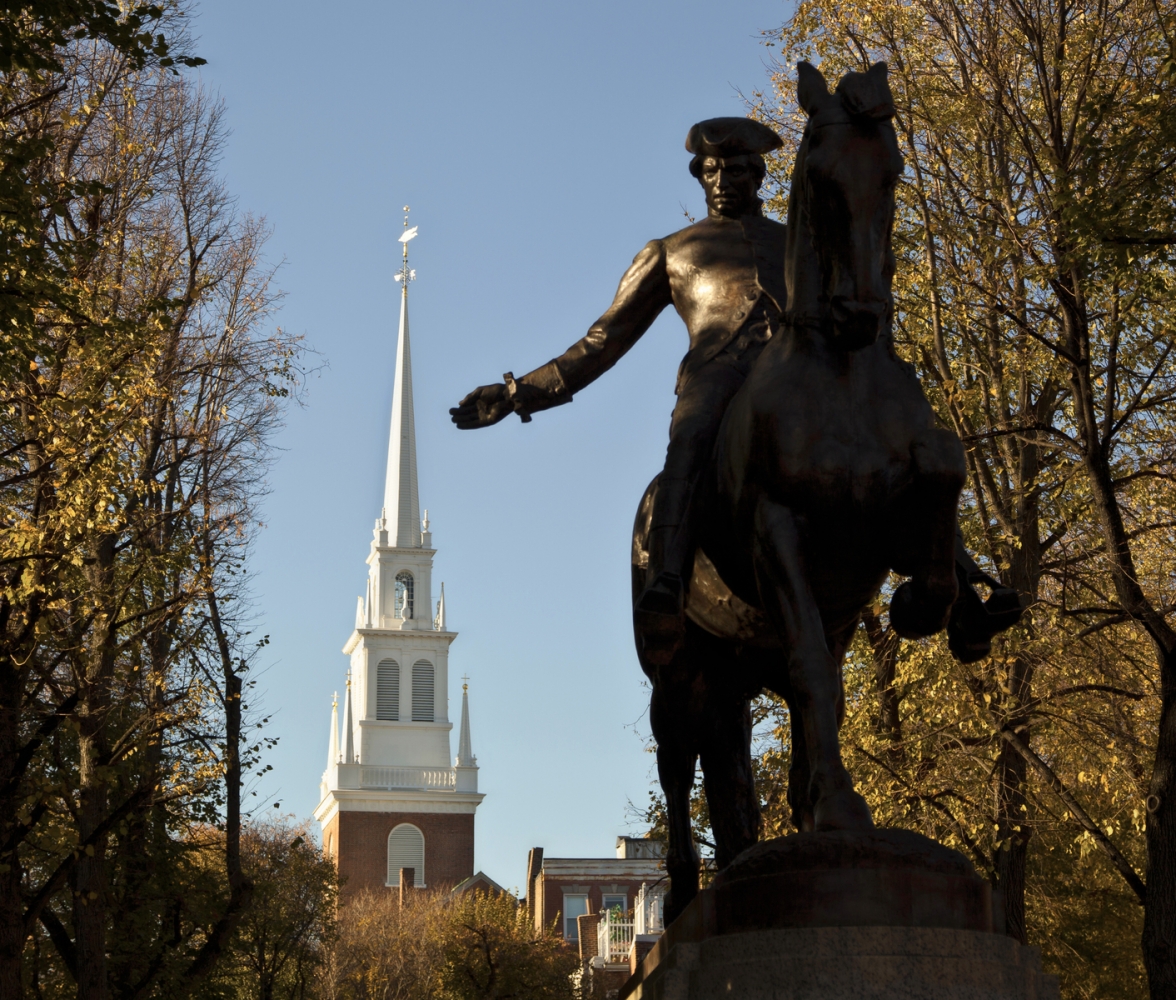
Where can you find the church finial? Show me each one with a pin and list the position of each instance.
(333, 746)
(405, 274)
(400, 485)
(348, 726)
(465, 752)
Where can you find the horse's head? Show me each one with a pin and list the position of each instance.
(842, 207)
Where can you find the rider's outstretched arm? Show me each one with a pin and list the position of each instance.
(643, 293)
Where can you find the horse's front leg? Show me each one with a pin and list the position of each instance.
(814, 678)
(925, 539)
(676, 735)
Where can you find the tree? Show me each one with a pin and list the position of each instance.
(280, 941)
(475, 945)
(138, 391)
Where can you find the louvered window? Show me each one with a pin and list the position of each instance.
(422, 691)
(388, 691)
(404, 590)
(406, 849)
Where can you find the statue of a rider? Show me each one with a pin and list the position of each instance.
(725, 276)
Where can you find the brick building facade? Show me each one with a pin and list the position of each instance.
(392, 797)
(559, 890)
(358, 842)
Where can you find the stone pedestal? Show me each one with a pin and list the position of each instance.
(885, 915)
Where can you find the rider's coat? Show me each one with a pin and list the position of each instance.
(713, 272)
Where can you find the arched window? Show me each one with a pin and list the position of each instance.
(404, 594)
(388, 691)
(422, 691)
(406, 849)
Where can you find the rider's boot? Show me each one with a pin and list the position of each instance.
(660, 611)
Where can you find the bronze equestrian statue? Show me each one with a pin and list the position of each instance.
(804, 465)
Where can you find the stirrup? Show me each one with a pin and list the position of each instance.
(662, 597)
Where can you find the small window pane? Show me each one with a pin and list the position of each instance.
(422, 691)
(404, 590)
(610, 902)
(388, 691)
(574, 906)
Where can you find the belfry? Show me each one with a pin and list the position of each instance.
(391, 796)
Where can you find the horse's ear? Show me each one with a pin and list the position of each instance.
(868, 94)
(883, 104)
(811, 88)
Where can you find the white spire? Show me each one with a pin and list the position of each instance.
(439, 620)
(333, 746)
(465, 753)
(400, 487)
(348, 726)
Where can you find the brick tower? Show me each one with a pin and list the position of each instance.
(391, 796)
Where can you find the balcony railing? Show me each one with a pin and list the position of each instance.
(647, 910)
(614, 937)
(429, 779)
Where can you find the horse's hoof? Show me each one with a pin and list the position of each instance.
(915, 617)
(973, 624)
(1004, 608)
(805, 822)
(845, 810)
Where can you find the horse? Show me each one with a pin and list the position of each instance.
(829, 473)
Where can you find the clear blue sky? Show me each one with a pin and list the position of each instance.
(540, 145)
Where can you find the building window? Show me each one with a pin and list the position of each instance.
(406, 849)
(574, 906)
(404, 594)
(388, 691)
(616, 903)
(422, 691)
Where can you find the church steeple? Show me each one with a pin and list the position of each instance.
(402, 508)
(392, 795)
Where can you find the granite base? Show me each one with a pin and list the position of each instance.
(870, 915)
(848, 963)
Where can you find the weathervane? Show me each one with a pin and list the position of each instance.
(406, 274)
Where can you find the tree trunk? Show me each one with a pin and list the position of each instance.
(1013, 831)
(1159, 922)
(12, 935)
(88, 880)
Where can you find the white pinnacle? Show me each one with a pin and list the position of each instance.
(348, 726)
(465, 752)
(333, 746)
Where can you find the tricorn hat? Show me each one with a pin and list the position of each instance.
(731, 137)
